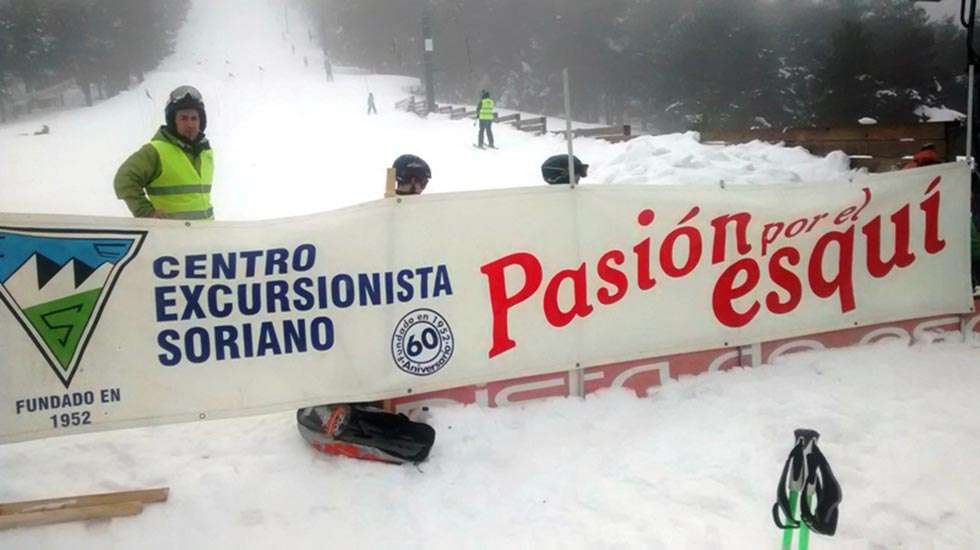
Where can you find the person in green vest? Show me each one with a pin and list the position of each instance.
(170, 177)
(486, 115)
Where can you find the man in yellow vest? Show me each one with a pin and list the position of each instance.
(486, 115)
(170, 177)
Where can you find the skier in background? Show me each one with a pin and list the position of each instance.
(371, 108)
(486, 114)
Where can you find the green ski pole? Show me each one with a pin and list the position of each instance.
(804, 541)
(788, 533)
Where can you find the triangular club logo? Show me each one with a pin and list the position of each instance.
(56, 282)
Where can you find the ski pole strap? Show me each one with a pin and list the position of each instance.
(808, 477)
(786, 493)
(822, 483)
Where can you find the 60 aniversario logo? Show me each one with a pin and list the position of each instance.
(422, 343)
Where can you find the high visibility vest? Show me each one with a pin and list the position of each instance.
(181, 193)
(486, 109)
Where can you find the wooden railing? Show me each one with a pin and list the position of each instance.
(536, 125)
(879, 148)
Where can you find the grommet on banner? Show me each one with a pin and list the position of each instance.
(202, 416)
(187, 224)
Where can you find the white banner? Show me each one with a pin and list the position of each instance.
(111, 323)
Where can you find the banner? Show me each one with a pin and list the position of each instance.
(111, 323)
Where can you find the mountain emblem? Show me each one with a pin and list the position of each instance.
(56, 282)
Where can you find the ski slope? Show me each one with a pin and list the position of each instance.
(694, 466)
(289, 143)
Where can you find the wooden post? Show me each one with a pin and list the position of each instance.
(390, 183)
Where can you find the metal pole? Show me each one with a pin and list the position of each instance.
(572, 176)
(430, 93)
(969, 119)
(968, 17)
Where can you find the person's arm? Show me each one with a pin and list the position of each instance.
(133, 176)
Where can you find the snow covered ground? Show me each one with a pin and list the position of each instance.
(694, 466)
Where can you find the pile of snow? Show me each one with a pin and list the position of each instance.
(939, 114)
(682, 158)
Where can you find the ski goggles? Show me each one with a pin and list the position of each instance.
(182, 92)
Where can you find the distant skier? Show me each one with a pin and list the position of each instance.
(486, 115)
(371, 108)
(328, 68)
(170, 177)
(365, 430)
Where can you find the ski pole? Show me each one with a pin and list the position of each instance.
(808, 495)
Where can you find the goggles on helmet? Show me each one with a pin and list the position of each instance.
(182, 92)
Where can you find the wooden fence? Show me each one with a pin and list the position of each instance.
(535, 125)
(51, 97)
(879, 148)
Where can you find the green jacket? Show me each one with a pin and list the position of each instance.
(144, 166)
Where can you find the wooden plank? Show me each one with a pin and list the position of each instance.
(870, 148)
(931, 131)
(616, 139)
(880, 164)
(74, 513)
(533, 129)
(458, 113)
(508, 118)
(623, 130)
(536, 121)
(144, 495)
(444, 109)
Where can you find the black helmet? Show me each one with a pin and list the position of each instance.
(409, 166)
(184, 97)
(555, 169)
(484, 94)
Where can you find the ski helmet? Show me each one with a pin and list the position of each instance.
(409, 166)
(184, 97)
(555, 169)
